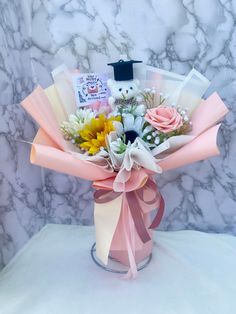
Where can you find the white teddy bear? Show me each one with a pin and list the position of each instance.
(122, 91)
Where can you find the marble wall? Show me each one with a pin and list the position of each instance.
(38, 35)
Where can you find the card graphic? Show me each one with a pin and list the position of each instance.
(90, 87)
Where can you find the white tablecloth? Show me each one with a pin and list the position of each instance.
(191, 272)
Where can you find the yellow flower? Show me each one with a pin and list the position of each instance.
(94, 133)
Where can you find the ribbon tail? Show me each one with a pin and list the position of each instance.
(157, 220)
(127, 221)
(106, 217)
(136, 212)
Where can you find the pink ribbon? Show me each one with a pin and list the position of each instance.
(134, 204)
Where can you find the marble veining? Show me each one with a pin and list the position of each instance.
(21, 194)
(38, 35)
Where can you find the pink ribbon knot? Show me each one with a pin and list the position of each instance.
(137, 204)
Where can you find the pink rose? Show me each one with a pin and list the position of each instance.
(164, 119)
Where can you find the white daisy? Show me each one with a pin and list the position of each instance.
(133, 127)
(78, 120)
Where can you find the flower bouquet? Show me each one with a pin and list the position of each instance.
(119, 133)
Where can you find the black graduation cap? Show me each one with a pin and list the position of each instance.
(123, 70)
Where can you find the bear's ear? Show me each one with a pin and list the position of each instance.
(137, 83)
(110, 83)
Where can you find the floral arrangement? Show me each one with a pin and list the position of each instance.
(141, 128)
(112, 134)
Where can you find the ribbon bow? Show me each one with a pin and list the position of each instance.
(110, 206)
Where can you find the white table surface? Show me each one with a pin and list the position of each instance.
(191, 272)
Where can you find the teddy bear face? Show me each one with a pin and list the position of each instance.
(123, 89)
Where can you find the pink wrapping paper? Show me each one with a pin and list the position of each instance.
(57, 157)
(39, 107)
(207, 114)
(202, 147)
(50, 150)
(118, 249)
